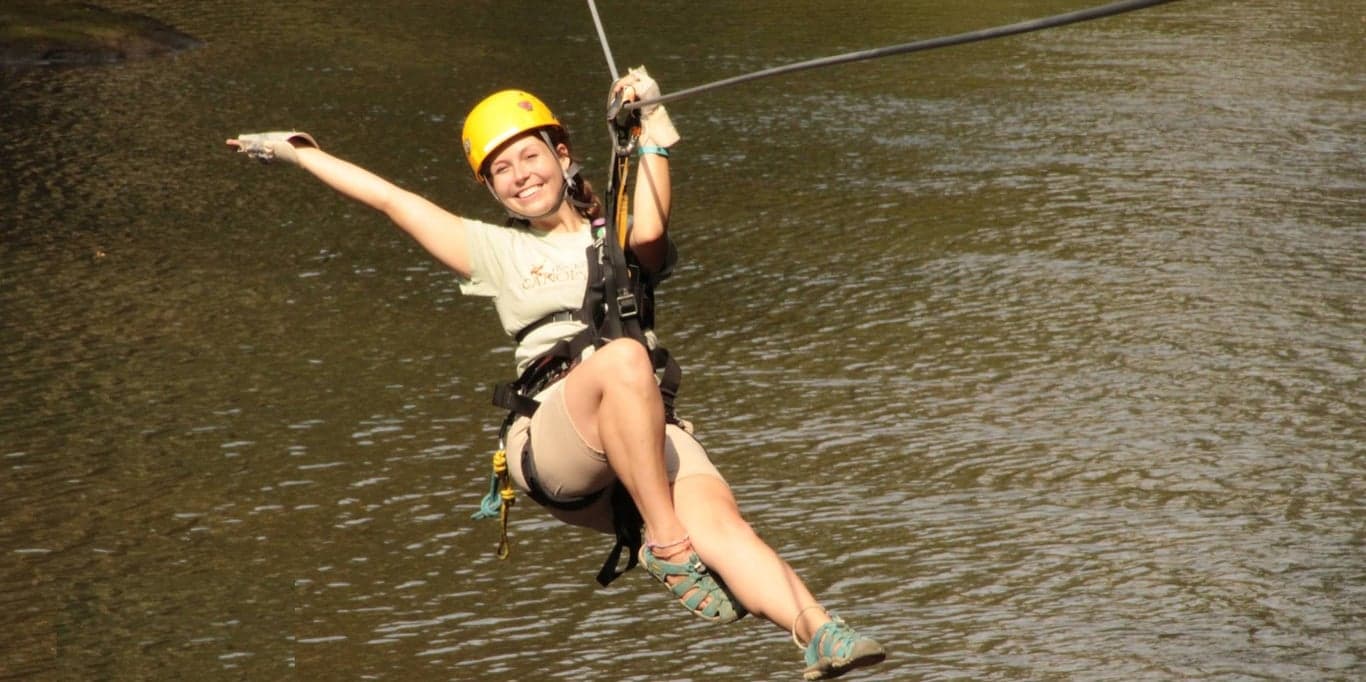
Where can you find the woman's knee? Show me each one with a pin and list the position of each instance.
(624, 362)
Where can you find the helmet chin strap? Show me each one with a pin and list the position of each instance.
(567, 173)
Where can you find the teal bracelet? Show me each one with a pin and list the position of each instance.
(651, 149)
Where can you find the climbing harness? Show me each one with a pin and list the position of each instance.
(618, 303)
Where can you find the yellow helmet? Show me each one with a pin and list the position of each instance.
(499, 118)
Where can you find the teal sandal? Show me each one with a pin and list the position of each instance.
(836, 649)
(710, 599)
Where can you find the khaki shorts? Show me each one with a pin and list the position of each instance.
(567, 467)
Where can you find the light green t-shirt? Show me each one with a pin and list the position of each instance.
(529, 275)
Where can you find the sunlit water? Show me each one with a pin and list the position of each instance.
(1039, 358)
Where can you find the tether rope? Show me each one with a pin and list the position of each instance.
(917, 46)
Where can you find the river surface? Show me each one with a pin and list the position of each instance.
(1040, 358)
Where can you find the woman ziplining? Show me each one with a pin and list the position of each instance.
(591, 434)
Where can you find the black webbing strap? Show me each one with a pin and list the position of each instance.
(507, 397)
(542, 370)
(557, 316)
(669, 379)
(626, 522)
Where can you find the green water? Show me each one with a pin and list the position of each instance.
(1039, 358)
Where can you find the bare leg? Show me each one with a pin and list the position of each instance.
(614, 402)
(756, 575)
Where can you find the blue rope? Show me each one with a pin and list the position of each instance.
(492, 502)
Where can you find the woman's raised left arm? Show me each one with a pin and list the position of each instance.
(650, 211)
(652, 199)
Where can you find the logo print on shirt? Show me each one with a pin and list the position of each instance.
(542, 275)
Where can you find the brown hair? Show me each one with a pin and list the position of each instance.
(580, 190)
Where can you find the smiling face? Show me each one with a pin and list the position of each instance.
(528, 177)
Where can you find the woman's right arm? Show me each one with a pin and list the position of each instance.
(436, 229)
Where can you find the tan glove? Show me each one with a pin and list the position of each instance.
(273, 146)
(656, 130)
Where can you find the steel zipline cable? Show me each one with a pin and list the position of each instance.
(602, 38)
(918, 46)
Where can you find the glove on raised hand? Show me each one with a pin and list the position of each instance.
(273, 146)
(656, 130)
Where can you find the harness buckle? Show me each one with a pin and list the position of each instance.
(626, 305)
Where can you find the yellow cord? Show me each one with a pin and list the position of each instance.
(507, 496)
(622, 210)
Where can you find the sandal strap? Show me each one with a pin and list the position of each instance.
(832, 639)
(693, 565)
(698, 590)
(695, 581)
(836, 648)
